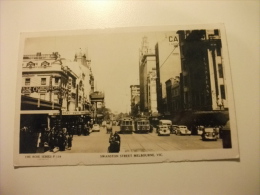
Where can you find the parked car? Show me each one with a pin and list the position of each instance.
(95, 128)
(200, 130)
(163, 130)
(209, 133)
(174, 128)
(166, 122)
(182, 130)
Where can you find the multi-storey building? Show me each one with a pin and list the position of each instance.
(173, 90)
(151, 91)
(147, 62)
(168, 66)
(203, 79)
(44, 86)
(52, 90)
(85, 82)
(135, 100)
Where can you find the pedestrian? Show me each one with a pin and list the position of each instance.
(61, 141)
(117, 139)
(115, 143)
(52, 140)
(70, 142)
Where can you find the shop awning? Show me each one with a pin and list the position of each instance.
(85, 112)
(49, 112)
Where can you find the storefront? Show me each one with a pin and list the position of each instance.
(74, 119)
(35, 117)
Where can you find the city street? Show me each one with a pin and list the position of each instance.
(98, 142)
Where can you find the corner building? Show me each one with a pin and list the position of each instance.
(203, 76)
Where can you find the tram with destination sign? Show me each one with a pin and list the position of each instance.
(142, 125)
(126, 125)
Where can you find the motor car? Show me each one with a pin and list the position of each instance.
(166, 122)
(182, 130)
(95, 128)
(174, 128)
(163, 130)
(200, 130)
(209, 133)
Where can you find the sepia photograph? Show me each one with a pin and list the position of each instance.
(124, 95)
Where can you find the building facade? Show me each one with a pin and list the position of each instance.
(168, 66)
(58, 86)
(147, 62)
(135, 100)
(152, 95)
(202, 70)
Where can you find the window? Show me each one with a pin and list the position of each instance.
(55, 98)
(56, 80)
(73, 83)
(42, 96)
(220, 70)
(216, 32)
(43, 81)
(218, 51)
(222, 90)
(27, 81)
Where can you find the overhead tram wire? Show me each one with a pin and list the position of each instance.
(168, 56)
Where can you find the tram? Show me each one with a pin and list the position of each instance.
(126, 125)
(142, 125)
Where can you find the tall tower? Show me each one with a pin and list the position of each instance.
(144, 48)
(146, 64)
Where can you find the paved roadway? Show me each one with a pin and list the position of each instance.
(97, 142)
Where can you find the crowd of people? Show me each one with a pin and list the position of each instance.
(54, 140)
(59, 139)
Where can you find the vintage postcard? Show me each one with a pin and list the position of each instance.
(123, 96)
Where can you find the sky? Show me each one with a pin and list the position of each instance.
(114, 59)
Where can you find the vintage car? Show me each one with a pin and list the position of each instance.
(200, 130)
(182, 130)
(95, 128)
(166, 122)
(163, 130)
(209, 133)
(174, 128)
